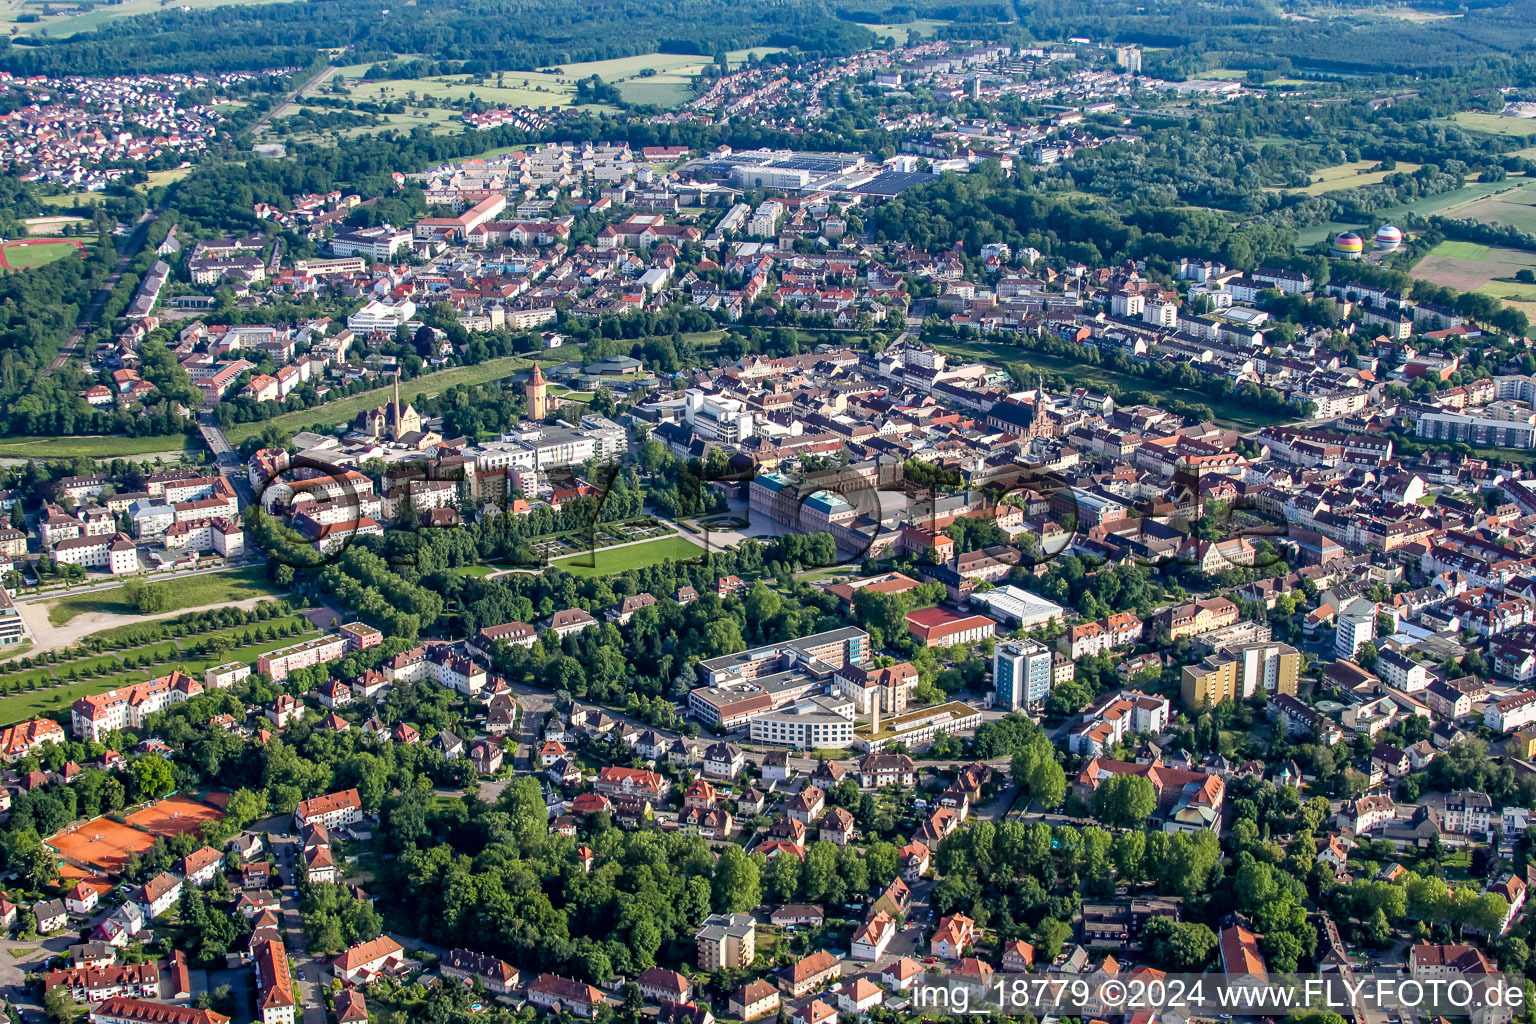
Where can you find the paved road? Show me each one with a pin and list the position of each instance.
(19, 958)
(316, 80)
(87, 321)
(226, 458)
(310, 969)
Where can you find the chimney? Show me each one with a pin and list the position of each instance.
(874, 716)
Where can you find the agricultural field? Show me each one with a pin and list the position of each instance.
(633, 556)
(1407, 14)
(1450, 204)
(514, 89)
(663, 79)
(1460, 250)
(1494, 124)
(1490, 270)
(187, 592)
(1354, 174)
(1515, 207)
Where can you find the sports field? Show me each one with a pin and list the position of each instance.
(25, 253)
(633, 556)
(101, 843)
(174, 816)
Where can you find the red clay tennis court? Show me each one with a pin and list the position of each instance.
(174, 815)
(101, 843)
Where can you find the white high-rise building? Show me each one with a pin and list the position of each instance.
(1021, 673)
(1356, 626)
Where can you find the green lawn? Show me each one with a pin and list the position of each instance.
(1461, 250)
(94, 446)
(187, 592)
(472, 570)
(635, 556)
(344, 410)
(162, 652)
(21, 257)
(21, 706)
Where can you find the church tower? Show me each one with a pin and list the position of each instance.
(394, 420)
(537, 393)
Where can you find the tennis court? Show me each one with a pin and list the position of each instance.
(101, 843)
(173, 816)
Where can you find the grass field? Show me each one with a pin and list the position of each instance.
(521, 89)
(634, 556)
(1494, 124)
(95, 446)
(159, 178)
(1515, 207)
(187, 592)
(163, 652)
(901, 33)
(1349, 175)
(1235, 74)
(21, 706)
(73, 200)
(1228, 412)
(57, 26)
(1448, 203)
(664, 79)
(1461, 250)
(1489, 270)
(25, 255)
(344, 410)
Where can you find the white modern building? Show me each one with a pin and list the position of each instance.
(1021, 673)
